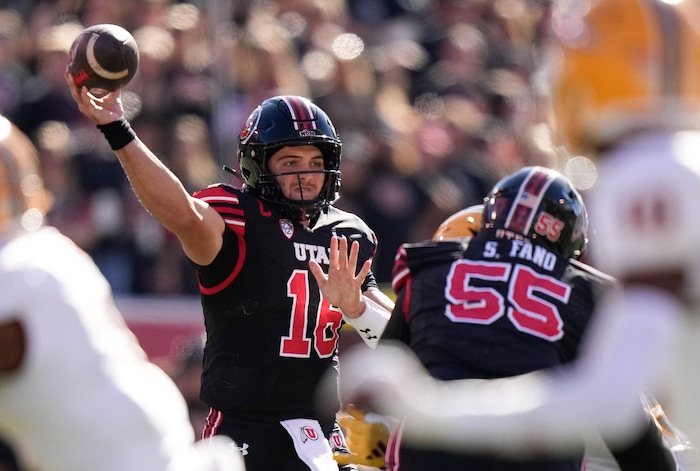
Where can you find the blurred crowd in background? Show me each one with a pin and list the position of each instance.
(434, 101)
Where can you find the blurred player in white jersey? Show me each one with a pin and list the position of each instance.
(77, 392)
(626, 93)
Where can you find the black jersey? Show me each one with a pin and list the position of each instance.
(271, 336)
(488, 308)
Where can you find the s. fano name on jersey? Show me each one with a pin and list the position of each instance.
(525, 250)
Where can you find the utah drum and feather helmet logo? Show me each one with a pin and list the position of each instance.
(250, 126)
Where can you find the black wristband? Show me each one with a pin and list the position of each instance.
(118, 133)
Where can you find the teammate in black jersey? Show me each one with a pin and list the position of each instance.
(271, 335)
(510, 300)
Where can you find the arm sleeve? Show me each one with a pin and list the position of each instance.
(371, 323)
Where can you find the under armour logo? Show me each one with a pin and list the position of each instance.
(242, 449)
(368, 334)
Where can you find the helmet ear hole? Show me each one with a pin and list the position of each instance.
(250, 171)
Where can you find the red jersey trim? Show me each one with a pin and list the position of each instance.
(223, 202)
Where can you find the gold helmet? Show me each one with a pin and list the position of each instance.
(464, 223)
(23, 199)
(624, 65)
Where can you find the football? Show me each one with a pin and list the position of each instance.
(103, 58)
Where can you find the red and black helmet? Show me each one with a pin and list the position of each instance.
(542, 205)
(288, 121)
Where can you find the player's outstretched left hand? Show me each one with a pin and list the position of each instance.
(366, 440)
(342, 285)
